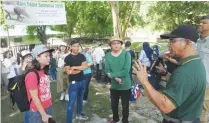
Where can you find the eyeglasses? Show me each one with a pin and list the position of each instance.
(115, 43)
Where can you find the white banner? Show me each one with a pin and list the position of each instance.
(34, 13)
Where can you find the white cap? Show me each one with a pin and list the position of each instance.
(63, 44)
(25, 52)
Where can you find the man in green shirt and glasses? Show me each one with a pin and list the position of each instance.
(182, 100)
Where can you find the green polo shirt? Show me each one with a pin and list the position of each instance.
(186, 89)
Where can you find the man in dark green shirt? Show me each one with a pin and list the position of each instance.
(117, 67)
(182, 100)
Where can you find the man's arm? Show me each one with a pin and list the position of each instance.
(90, 64)
(174, 61)
(70, 71)
(158, 99)
(83, 66)
(37, 102)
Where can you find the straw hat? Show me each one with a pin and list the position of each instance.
(115, 39)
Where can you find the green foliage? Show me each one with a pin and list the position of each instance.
(86, 18)
(31, 30)
(95, 18)
(135, 17)
(1, 16)
(72, 10)
(37, 31)
(30, 40)
(166, 15)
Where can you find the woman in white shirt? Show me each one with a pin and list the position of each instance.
(62, 78)
(6, 64)
(145, 56)
(10, 63)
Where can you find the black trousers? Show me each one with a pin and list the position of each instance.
(195, 121)
(115, 95)
(98, 73)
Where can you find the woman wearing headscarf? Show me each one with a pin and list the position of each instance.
(145, 56)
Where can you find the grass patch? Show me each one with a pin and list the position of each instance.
(97, 104)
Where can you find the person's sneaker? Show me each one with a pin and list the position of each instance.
(66, 97)
(112, 121)
(62, 96)
(81, 117)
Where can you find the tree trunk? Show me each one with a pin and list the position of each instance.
(41, 33)
(115, 18)
(127, 18)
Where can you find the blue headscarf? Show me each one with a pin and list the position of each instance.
(155, 52)
(147, 50)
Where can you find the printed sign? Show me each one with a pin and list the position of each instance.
(34, 13)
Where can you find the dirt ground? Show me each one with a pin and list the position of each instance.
(97, 108)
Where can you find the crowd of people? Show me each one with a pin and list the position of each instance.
(184, 99)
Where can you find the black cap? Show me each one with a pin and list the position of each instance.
(205, 17)
(183, 31)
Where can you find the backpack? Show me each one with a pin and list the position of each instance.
(18, 92)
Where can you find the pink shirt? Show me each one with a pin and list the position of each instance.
(44, 93)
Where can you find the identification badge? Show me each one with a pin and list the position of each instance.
(73, 82)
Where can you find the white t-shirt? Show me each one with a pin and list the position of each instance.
(144, 59)
(61, 59)
(6, 64)
(10, 63)
(98, 54)
(12, 71)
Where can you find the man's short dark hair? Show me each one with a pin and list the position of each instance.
(31, 47)
(74, 41)
(127, 44)
(205, 17)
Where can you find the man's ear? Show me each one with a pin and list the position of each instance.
(187, 43)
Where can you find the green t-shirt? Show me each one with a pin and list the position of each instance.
(119, 67)
(186, 89)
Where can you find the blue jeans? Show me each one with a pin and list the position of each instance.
(76, 92)
(35, 117)
(88, 80)
(52, 73)
(26, 117)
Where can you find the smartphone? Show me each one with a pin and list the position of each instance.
(51, 120)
